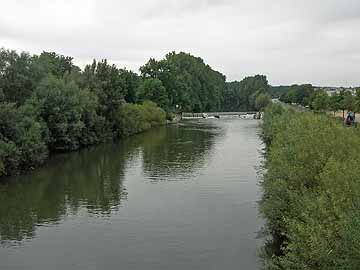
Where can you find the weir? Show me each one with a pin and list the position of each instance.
(200, 115)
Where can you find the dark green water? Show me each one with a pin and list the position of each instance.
(178, 197)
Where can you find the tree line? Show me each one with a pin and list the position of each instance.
(341, 101)
(318, 100)
(48, 104)
(299, 94)
(250, 94)
(311, 191)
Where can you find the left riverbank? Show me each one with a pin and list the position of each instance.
(33, 131)
(49, 105)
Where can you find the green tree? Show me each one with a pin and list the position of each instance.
(133, 83)
(154, 90)
(348, 101)
(63, 107)
(22, 139)
(320, 101)
(299, 94)
(106, 82)
(136, 118)
(241, 96)
(335, 103)
(52, 63)
(357, 100)
(262, 101)
(188, 81)
(16, 76)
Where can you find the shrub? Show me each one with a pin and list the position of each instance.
(22, 139)
(311, 190)
(9, 158)
(135, 118)
(69, 113)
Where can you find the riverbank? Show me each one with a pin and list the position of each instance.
(31, 138)
(311, 190)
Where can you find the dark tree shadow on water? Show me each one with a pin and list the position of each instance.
(91, 179)
(177, 152)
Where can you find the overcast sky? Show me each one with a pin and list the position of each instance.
(303, 41)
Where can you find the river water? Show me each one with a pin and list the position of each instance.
(176, 197)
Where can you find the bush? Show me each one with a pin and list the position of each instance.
(135, 118)
(311, 190)
(9, 158)
(69, 113)
(22, 139)
(270, 126)
(170, 116)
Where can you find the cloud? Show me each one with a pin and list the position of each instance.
(289, 41)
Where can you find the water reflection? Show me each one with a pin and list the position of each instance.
(93, 179)
(177, 152)
(90, 179)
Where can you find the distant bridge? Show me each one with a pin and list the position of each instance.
(215, 114)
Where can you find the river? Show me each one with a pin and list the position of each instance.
(176, 197)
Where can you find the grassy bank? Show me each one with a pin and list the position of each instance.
(311, 190)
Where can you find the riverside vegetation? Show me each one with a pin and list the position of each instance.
(311, 190)
(318, 100)
(48, 104)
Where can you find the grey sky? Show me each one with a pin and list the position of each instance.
(303, 41)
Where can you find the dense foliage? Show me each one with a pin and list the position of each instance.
(241, 96)
(189, 83)
(299, 94)
(318, 100)
(344, 100)
(311, 190)
(278, 91)
(48, 104)
(135, 118)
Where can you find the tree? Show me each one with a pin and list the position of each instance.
(16, 76)
(320, 101)
(348, 101)
(106, 82)
(262, 101)
(357, 100)
(299, 94)
(135, 118)
(52, 63)
(22, 139)
(335, 103)
(241, 96)
(132, 85)
(188, 81)
(154, 90)
(64, 108)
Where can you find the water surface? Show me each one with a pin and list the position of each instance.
(177, 197)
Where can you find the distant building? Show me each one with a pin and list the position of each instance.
(335, 90)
